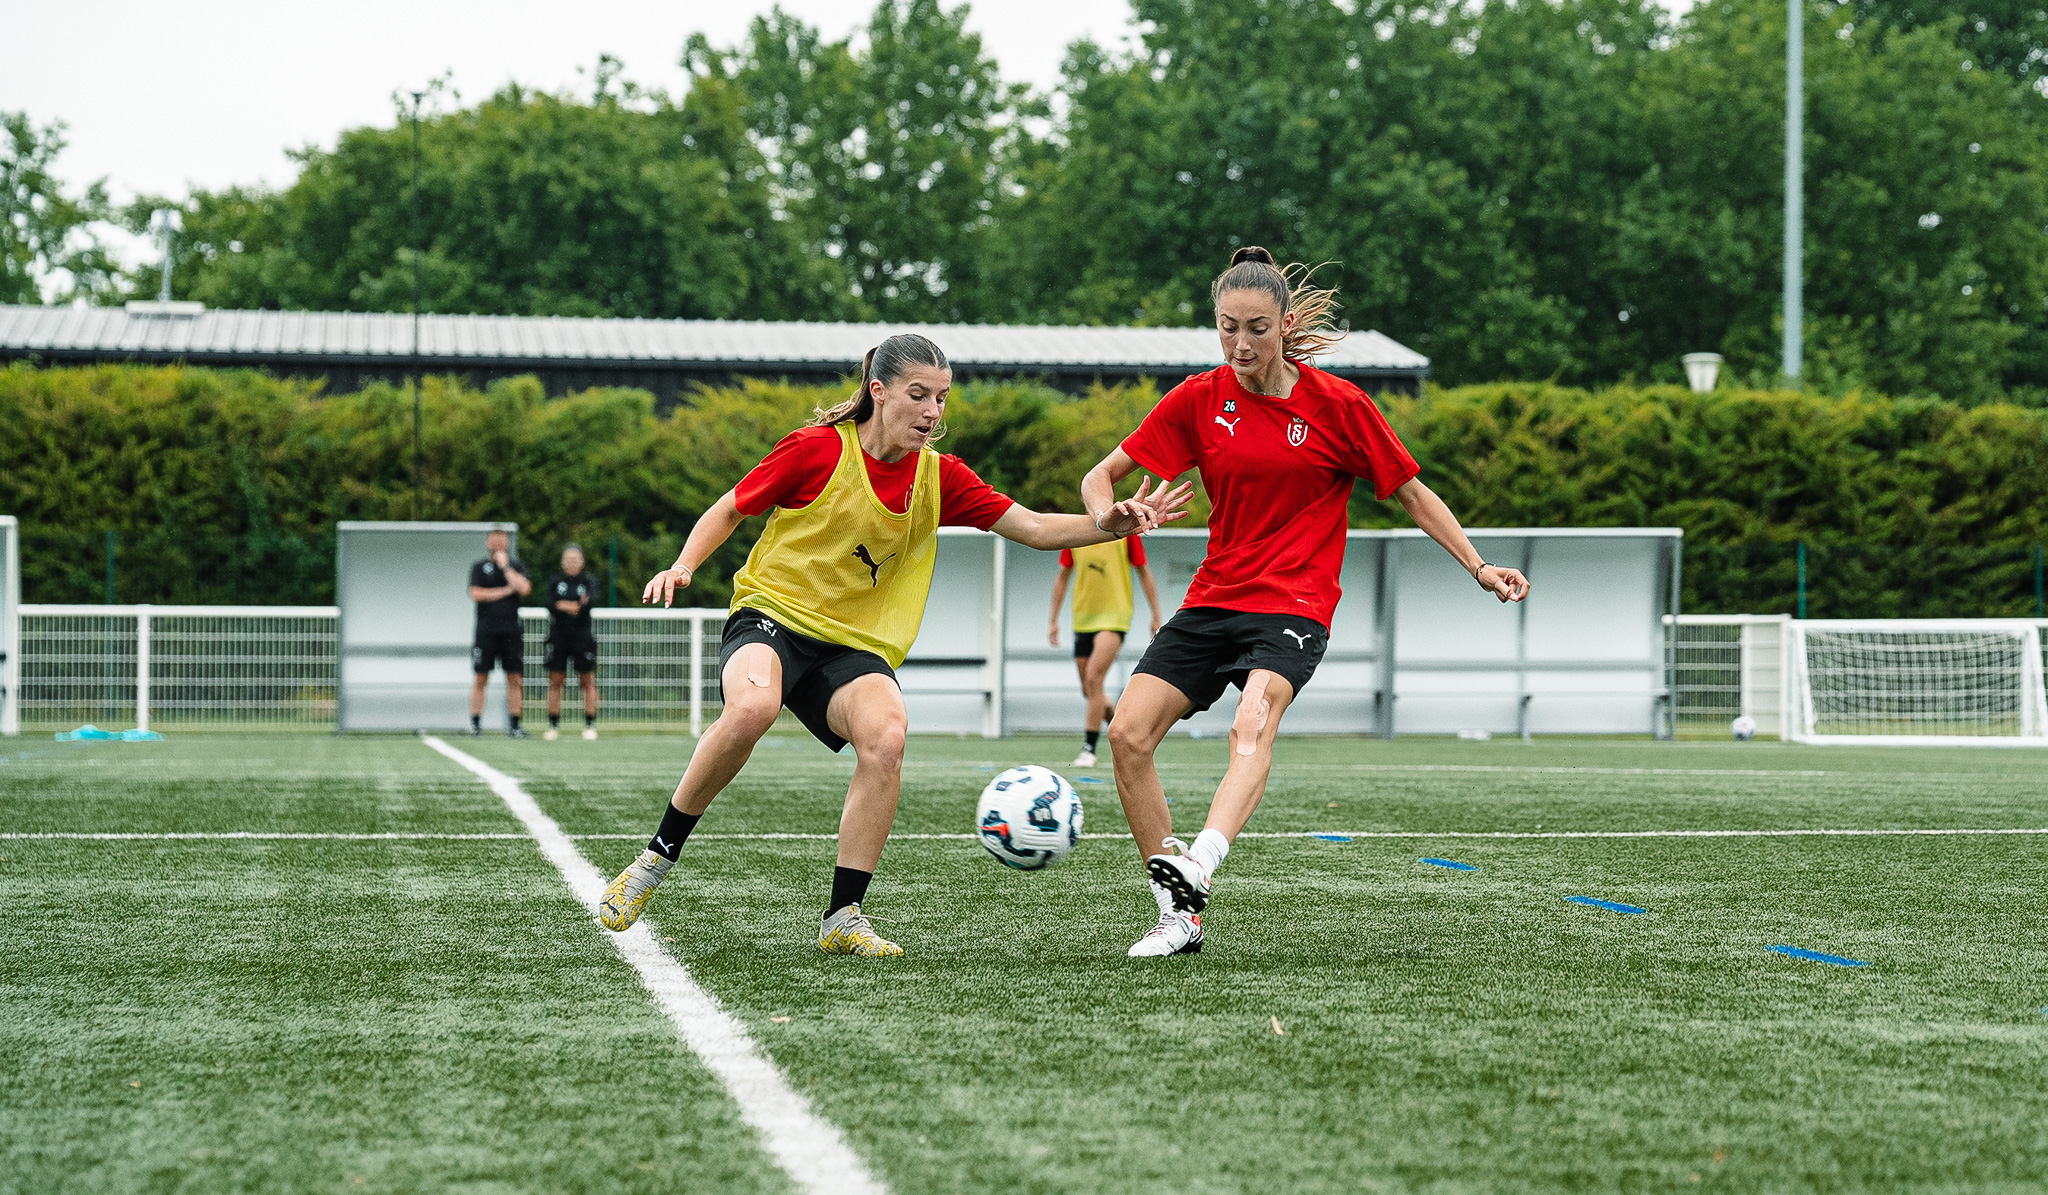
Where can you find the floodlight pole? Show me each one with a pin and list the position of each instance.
(418, 452)
(1795, 192)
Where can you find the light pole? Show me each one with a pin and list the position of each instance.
(167, 221)
(1795, 191)
(418, 414)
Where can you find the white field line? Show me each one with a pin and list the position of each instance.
(812, 1151)
(257, 835)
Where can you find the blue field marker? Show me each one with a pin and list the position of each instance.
(1817, 956)
(1089, 780)
(1609, 905)
(1453, 864)
(1332, 837)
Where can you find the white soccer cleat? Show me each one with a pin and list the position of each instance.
(1085, 760)
(590, 733)
(1182, 875)
(1176, 933)
(627, 897)
(849, 932)
(550, 735)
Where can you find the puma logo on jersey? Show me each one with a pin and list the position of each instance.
(1300, 640)
(1230, 425)
(860, 552)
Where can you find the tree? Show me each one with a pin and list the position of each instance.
(894, 162)
(47, 247)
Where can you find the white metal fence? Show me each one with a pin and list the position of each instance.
(275, 667)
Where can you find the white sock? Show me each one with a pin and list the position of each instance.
(1210, 848)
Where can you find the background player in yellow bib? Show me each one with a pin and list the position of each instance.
(829, 602)
(1102, 616)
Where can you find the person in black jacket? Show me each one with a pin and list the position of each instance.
(571, 641)
(496, 583)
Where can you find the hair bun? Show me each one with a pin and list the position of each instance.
(1252, 253)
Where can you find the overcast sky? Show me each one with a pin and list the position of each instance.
(160, 98)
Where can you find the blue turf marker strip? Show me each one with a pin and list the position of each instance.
(1332, 837)
(1089, 780)
(1453, 864)
(1610, 906)
(1818, 957)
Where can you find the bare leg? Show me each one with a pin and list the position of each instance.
(1094, 672)
(753, 697)
(556, 681)
(587, 681)
(476, 694)
(515, 693)
(868, 712)
(1251, 752)
(1148, 710)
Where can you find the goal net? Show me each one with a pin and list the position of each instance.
(1918, 681)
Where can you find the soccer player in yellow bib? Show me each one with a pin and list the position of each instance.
(830, 600)
(1102, 615)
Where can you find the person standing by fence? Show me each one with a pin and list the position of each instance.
(1101, 574)
(572, 640)
(496, 583)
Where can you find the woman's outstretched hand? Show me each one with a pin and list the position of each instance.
(1147, 509)
(663, 587)
(1507, 584)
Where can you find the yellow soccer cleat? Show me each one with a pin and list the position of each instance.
(627, 897)
(848, 932)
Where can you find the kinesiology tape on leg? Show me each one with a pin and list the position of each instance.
(1252, 709)
(757, 671)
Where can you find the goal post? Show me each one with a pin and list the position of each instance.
(1917, 682)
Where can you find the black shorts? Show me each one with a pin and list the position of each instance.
(493, 648)
(1084, 642)
(579, 651)
(1204, 650)
(812, 669)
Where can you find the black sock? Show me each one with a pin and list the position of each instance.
(589, 720)
(476, 721)
(675, 831)
(554, 721)
(849, 887)
(515, 721)
(1093, 737)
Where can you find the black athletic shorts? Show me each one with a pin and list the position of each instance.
(1204, 650)
(493, 648)
(1084, 642)
(579, 651)
(812, 669)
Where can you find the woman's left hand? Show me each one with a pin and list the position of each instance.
(1507, 584)
(1146, 509)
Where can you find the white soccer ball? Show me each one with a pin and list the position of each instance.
(1744, 728)
(1029, 818)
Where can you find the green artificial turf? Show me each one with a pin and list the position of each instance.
(438, 1015)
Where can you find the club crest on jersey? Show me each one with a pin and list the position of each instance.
(1297, 432)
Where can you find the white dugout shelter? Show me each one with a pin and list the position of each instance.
(1416, 646)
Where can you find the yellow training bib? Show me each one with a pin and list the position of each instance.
(847, 569)
(1102, 587)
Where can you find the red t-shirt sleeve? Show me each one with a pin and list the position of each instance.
(1163, 443)
(965, 500)
(1372, 451)
(1066, 557)
(1137, 551)
(792, 474)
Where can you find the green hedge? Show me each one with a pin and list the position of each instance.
(224, 486)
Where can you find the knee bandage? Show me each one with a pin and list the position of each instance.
(1252, 710)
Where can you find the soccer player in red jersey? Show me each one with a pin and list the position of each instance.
(1279, 444)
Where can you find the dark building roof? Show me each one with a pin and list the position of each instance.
(664, 356)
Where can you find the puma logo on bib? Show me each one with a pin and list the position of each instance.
(860, 552)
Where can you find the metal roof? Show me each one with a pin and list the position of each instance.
(186, 329)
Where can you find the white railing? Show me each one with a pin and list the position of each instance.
(275, 667)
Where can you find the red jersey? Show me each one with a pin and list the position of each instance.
(1137, 553)
(795, 471)
(1279, 472)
